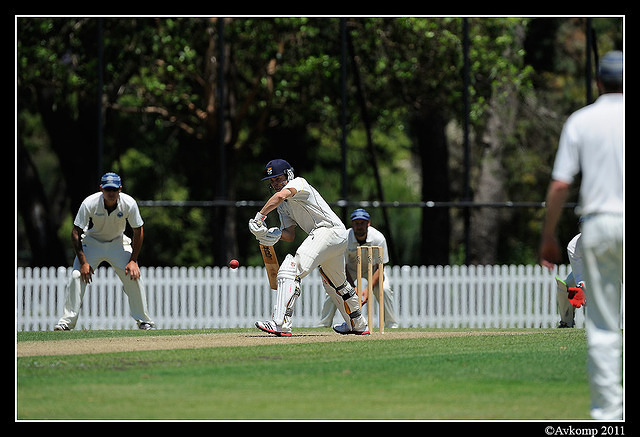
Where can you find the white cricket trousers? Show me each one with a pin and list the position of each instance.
(602, 239)
(324, 247)
(117, 253)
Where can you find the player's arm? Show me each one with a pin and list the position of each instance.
(76, 242)
(549, 248)
(257, 227)
(132, 268)
(277, 199)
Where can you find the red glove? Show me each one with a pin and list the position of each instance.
(576, 295)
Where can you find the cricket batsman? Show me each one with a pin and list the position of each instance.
(299, 204)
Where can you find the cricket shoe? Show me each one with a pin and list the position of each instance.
(61, 327)
(344, 329)
(270, 327)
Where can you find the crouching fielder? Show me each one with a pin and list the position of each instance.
(299, 204)
(97, 236)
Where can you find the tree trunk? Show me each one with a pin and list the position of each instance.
(41, 230)
(486, 222)
(73, 141)
(429, 130)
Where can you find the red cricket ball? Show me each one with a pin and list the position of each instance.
(234, 263)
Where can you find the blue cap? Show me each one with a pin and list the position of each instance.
(110, 180)
(360, 214)
(275, 168)
(610, 67)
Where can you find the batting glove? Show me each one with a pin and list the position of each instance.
(257, 227)
(576, 295)
(271, 237)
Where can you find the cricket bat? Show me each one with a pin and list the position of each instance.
(271, 263)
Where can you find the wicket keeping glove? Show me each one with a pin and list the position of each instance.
(576, 295)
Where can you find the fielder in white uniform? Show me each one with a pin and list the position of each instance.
(362, 233)
(571, 290)
(299, 204)
(98, 236)
(592, 142)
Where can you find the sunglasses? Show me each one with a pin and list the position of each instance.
(111, 189)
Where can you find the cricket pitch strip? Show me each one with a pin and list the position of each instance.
(231, 339)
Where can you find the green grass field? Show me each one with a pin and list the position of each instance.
(537, 376)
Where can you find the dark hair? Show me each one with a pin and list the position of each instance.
(611, 86)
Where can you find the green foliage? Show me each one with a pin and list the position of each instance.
(160, 109)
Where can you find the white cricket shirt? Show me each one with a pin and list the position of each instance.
(592, 142)
(306, 208)
(107, 226)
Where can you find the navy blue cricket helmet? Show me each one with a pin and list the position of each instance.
(276, 167)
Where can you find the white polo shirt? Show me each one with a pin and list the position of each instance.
(592, 142)
(107, 226)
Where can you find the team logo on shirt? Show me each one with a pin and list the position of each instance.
(120, 214)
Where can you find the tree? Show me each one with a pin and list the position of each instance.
(158, 112)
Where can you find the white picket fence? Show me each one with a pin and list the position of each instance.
(515, 296)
